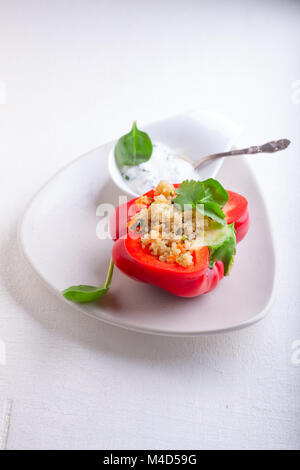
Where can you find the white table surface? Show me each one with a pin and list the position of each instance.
(77, 73)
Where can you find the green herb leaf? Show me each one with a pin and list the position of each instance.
(209, 193)
(225, 249)
(190, 192)
(133, 148)
(214, 191)
(84, 294)
(212, 210)
(197, 192)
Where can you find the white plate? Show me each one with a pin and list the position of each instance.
(194, 134)
(58, 236)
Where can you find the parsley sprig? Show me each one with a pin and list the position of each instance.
(207, 196)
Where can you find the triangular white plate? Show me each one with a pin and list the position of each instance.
(58, 236)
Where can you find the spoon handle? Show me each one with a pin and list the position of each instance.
(269, 147)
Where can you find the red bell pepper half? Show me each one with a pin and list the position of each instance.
(191, 281)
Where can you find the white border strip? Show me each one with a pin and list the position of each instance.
(7, 409)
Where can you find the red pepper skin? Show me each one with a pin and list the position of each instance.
(131, 259)
(173, 278)
(236, 211)
(242, 226)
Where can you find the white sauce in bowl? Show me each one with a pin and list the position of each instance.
(163, 165)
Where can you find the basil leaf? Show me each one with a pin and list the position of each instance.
(212, 210)
(214, 191)
(133, 148)
(225, 250)
(83, 294)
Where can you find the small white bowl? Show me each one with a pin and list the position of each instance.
(193, 134)
(116, 174)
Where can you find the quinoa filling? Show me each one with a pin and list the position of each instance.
(168, 232)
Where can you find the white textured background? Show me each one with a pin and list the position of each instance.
(77, 73)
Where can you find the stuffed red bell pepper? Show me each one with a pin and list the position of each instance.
(181, 238)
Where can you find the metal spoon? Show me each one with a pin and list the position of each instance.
(269, 147)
